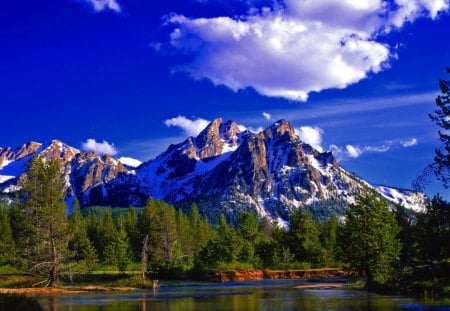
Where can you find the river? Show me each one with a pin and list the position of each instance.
(256, 295)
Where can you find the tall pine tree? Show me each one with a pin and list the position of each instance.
(45, 210)
(371, 245)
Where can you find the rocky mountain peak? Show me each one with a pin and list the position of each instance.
(27, 149)
(57, 150)
(281, 128)
(209, 142)
(229, 130)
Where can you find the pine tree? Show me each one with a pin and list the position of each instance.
(441, 117)
(371, 245)
(433, 231)
(7, 245)
(150, 227)
(122, 253)
(45, 210)
(79, 243)
(170, 245)
(304, 235)
(329, 236)
(134, 235)
(107, 234)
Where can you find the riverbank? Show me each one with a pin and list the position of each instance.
(37, 291)
(257, 275)
(22, 284)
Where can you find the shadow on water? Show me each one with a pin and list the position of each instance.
(18, 302)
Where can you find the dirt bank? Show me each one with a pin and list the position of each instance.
(254, 275)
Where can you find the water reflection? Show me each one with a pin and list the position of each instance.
(251, 296)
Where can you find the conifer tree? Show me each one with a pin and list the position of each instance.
(45, 210)
(371, 245)
(134, 235)
(150, 227)
(7, 245)
(304, 235)
(441, 117)
(122, 250)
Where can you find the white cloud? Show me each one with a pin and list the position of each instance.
(103, 5)
(267, 116)
(296, 47)
(311, 135)
(409, 143)
(353, 151)
(99, 148)
(190, 127)
(130, 161)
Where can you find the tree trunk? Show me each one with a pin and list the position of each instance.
(55, 266)
(144, 256)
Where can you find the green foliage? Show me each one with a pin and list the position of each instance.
(407, 236)
(304, 237)
(46, 235)
(133, 233)
(433, 231)
(370, 242)
(8, 249)
(328, 237)
(441, 117)
(122, 251)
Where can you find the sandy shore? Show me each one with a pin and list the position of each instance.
(322, 286)
(61, 290)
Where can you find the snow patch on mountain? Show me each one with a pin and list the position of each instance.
(130, 162)
(408, 199)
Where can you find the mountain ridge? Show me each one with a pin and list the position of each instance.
(224, 169)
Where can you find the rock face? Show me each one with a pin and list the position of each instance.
(223, 170)
(85, 173)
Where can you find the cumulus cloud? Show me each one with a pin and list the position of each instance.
(99, 148)
(190, 127)
(295, 47)
(103, 5)
(267, 116)
(311, 135)
(352, 151)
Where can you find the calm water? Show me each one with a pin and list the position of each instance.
(258, 295)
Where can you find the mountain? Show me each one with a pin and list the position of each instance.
(223, 170)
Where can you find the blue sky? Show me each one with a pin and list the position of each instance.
(355, 77)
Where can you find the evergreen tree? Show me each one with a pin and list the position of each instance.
(22, 232)
(406, 235)
(170, 245)
(79, 243)
(150, 225)
(371, 245)
(7, 245)
(122, 250)
(45, 210)
(185, 239)
(201, 230)
(247, 229)
(107, 235)
(304, 236)
(433, 231)
(441, 117)
(329, 236)
(133, 233)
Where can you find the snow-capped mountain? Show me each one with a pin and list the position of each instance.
(223, 169)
